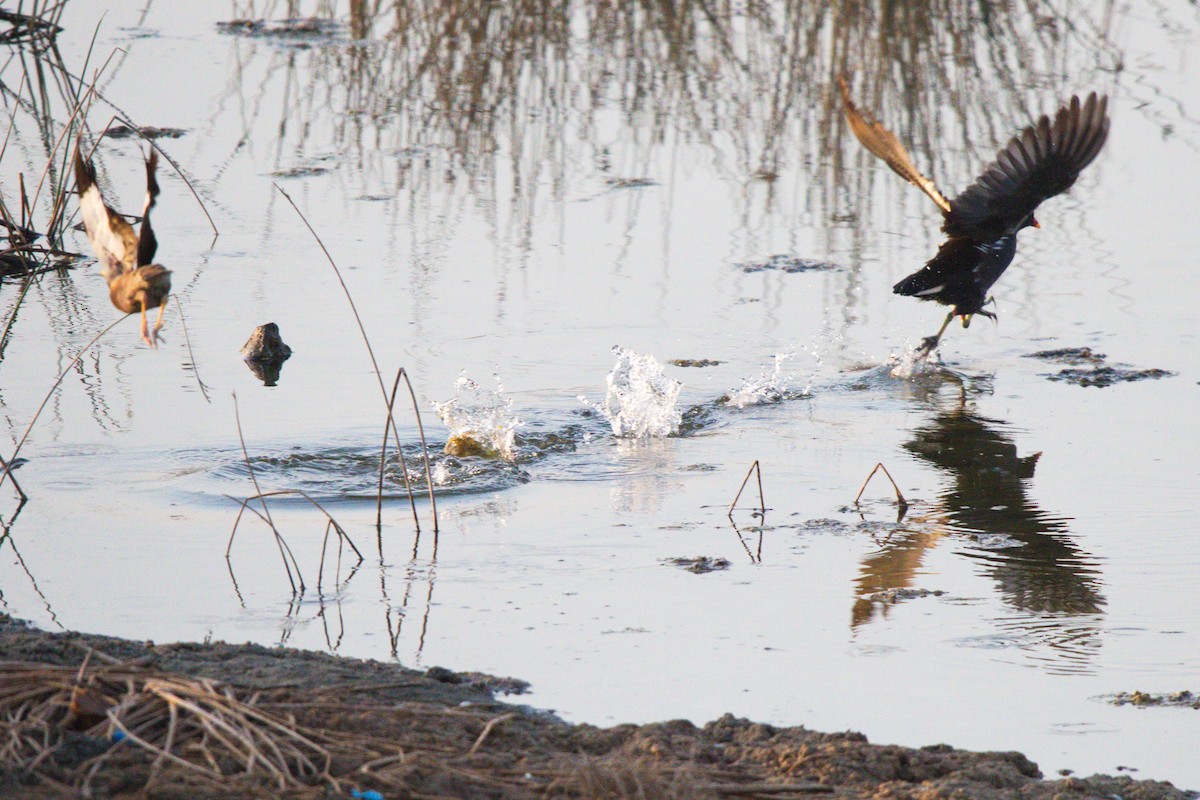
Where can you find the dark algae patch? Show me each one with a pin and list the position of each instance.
(783, 262)
(1107, 376)
(699, 564)
(1096, 372)
(1184, 699)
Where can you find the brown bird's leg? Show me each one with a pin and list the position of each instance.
(158, 322)
(145, 331)
(930, 342)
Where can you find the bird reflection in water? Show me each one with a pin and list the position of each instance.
(1050, 583)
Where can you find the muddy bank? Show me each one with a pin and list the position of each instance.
(333, 727)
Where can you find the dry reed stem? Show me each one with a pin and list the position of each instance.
(487, 730)
(266, 511)
(374, 362)
(900, 501)
(330, 523)
(762, 505)
(390, 426)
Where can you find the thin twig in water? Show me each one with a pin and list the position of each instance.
(188, 341)
(330, 522)
(70, 365)
(389, 426)
(374, 363)
(266, 511)
(900, 501)
(755, 469)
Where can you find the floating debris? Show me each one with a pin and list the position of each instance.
(1107, 376)
(145, 132)
(787, 263)
(693, 362)
(1069, 355)
(641, 401)
(995, 541)
(699, 565)
(1184, 699)
(894, 596)
(1099, 374)
(296, 32)
(300, 172)
(481, 422)
(629, 183)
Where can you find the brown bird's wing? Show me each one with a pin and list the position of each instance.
(884, 144)
(147, 243)
(1040, 162)
(111, 237)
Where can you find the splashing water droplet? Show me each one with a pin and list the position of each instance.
(914, 361)
(481, 422)
(769, 387)
(641, 402)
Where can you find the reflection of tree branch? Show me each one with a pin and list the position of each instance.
(521, 91)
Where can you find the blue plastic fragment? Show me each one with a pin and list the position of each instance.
(369, 794)
(120, 735)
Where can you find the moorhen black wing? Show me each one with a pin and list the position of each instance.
(982, 222)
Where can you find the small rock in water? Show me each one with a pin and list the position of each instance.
(265, 352)
(265, 344)
(699, 564)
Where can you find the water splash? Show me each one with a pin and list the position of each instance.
(641, 402)
(914, 362)
(771, 386)
(481, 421)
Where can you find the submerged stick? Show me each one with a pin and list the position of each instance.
(900, 501)
(762, 505)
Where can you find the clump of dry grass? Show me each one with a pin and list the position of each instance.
(192, 724)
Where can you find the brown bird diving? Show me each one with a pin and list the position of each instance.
(982, 222)
(135, 284)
